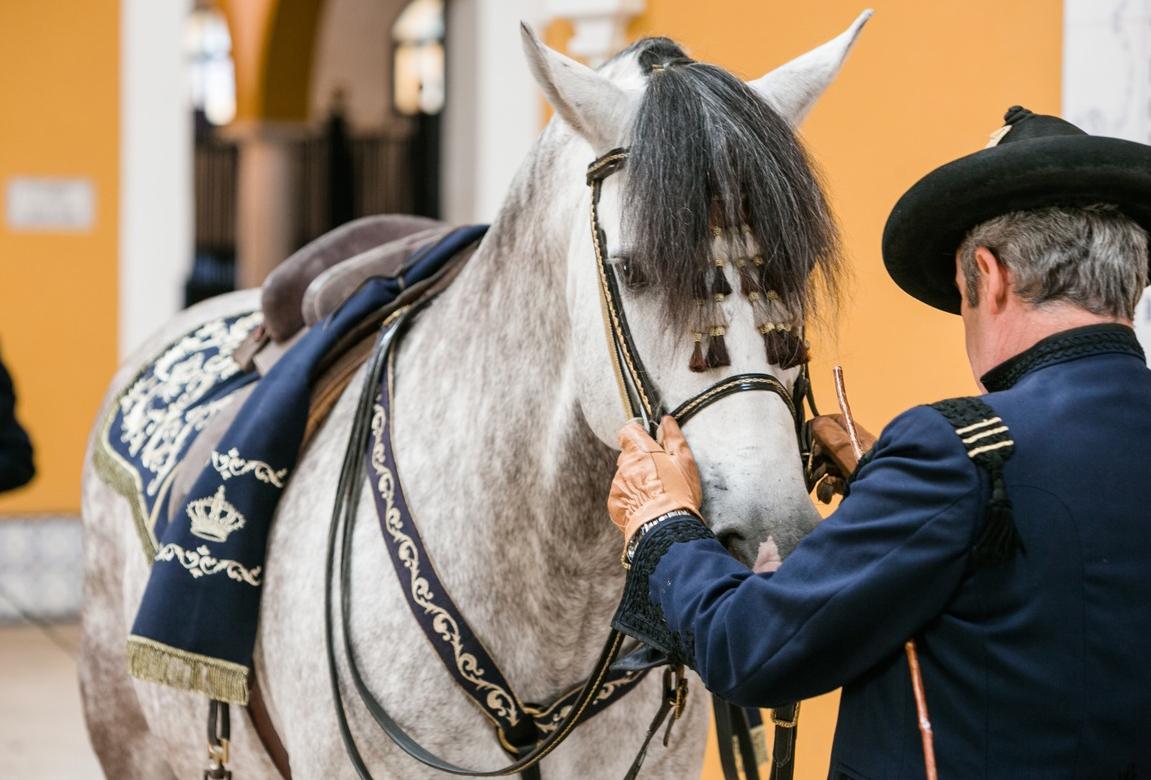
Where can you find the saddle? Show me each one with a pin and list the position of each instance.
(306, 288)
(290, 294)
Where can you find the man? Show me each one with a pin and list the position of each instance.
(1009, 535)
(16, 467)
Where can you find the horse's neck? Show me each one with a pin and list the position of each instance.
(505, 480)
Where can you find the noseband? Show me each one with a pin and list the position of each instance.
(637, 391)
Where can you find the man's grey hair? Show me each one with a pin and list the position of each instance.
(1093, 257)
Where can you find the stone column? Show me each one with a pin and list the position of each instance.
(267, 200)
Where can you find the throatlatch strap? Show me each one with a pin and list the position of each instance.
(989, 444)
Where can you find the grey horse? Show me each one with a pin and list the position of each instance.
(505, 416)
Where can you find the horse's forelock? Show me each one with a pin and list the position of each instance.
(705, 148)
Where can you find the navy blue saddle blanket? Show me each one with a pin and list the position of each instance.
(196, 626)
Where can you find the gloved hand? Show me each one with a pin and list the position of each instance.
(652, 480)
(833, 455)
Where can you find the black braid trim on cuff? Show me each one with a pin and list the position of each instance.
(637, 615)
(863, 461)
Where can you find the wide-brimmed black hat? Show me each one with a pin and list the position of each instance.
(1035, 161)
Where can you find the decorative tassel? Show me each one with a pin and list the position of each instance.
(700, 322)
(747, 284)
(720, 287)
(760, 311)
(759, 270)
(717, 349)
(1000, 538)
(773, 342)
(715, 217)
(697, 363)
(798, 352)
(783, 347)
(699, 287)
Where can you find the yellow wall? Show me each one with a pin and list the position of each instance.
(59, 116)
(926, 83)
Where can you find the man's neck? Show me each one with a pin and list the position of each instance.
(1029, 325)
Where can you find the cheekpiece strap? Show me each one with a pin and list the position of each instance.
(989, 444)
(605, 166)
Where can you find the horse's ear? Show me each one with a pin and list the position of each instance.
(793, 88)
(596, 108)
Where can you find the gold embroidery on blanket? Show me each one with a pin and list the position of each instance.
(200, 562)
(230, 464)
(214, 518)
(161, 410)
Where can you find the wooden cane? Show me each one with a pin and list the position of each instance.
(841, 396)
(925, 732)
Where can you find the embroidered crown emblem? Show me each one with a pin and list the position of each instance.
(214, 518)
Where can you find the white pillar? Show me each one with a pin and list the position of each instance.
(267, 198)
(155, 167)
(494, 109)
(1107, 81)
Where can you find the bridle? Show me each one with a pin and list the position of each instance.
(641, 398)
(637, 391)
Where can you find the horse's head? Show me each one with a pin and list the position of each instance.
(720, 239)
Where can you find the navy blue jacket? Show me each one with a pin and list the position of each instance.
(1038, 667)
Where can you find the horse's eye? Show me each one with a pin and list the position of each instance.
(629, 273)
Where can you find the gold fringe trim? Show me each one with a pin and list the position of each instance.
(111, 468)
(160, 663)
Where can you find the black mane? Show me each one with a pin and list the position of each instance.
(705, 148)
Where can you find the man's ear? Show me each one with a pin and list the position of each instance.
(994, 279)
(596, 108)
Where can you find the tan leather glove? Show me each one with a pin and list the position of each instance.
(650, 479)
(834, 456)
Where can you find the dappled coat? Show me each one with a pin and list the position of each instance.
(16, 466)
(1033, 667)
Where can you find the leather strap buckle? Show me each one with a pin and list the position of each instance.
(677, 691)
(219, 737)
(605, 166)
